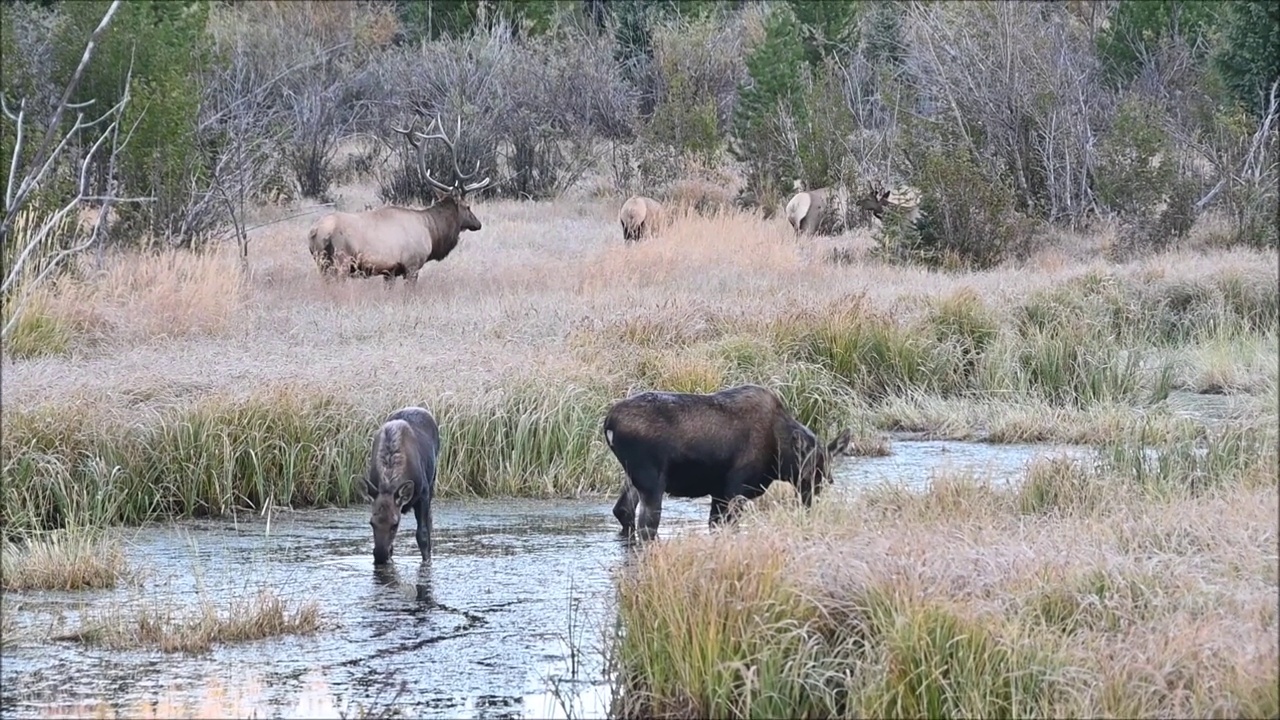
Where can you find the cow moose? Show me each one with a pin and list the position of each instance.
(730, 443)
(640, 217)
(394, 241)
(402, 475)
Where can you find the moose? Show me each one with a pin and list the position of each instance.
(640, 216)
(394, 241)
(730, 443)
(402, 475)
(822, 211)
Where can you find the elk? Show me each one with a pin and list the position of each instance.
(727, 444)
(640, 217)
(394, 241)
(402, 475)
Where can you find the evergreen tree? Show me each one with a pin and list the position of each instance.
(1247, 52)
(775, 69)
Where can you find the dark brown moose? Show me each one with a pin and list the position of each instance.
(396, 241)
(734, 442)
(402, 475)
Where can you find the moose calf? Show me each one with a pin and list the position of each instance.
(734, 442)
(402, 475)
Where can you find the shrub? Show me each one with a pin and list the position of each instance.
(966, 218)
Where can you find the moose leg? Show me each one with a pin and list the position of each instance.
(422, 512)
(650, 514)
(625, 508)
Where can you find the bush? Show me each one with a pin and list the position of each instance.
(965, 217)
(1135, 165)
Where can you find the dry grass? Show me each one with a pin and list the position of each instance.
(266, 385)
(74, 560)
(1083, 593)
(170, 629)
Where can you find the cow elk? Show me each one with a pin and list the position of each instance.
(394, 241)
(640, 217)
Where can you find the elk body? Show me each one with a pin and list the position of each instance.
(640, 217)
(730, 443)
(823, 211)
(396, 241)
(402, 476)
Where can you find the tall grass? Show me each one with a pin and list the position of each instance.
(186, 387)
(1087, 591)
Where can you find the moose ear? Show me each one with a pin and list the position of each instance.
(404, 493)
(842, 444)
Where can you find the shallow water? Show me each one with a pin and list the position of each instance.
(485, 630)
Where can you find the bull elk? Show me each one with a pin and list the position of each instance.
(640, 217)
(727, 444)
(394, 241)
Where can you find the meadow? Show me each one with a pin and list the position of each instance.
(175, 384)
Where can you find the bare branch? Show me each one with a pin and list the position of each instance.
(42, 152)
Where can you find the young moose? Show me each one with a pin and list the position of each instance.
(733, 442)
(402, 475)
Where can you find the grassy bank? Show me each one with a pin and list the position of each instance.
(148, 408)
(1136, 587)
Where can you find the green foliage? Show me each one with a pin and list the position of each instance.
(1135, 166)
(1247, 52)
(1138, 27)
(826, 27)
(775, 71)
(436, 19)
(164, 44)
(822, 126)
(685, 120)
(966, 217)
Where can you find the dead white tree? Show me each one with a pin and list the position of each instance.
(35, 255)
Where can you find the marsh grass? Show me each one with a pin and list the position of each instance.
(164, 627)
(63, 560)
(176, 384)
(1082, 592)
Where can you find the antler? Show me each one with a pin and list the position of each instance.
(439, 134)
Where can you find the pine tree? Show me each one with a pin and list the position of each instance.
(775, 68)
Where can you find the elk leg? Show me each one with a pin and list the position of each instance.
(423, 535)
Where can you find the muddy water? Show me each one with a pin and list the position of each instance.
(506, 621)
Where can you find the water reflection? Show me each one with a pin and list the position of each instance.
(509, 618)
(419, 590)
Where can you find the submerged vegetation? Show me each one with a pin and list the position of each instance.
(166, 628)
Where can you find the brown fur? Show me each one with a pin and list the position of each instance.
(401, 475)
(641, 217)
(390, 241)
(733, 442)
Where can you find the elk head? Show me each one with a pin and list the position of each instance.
(455, 194)
(874, 201)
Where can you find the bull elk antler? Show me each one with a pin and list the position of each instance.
(460, 182)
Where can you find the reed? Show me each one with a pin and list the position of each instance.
(63, 560)
(1087, 591)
